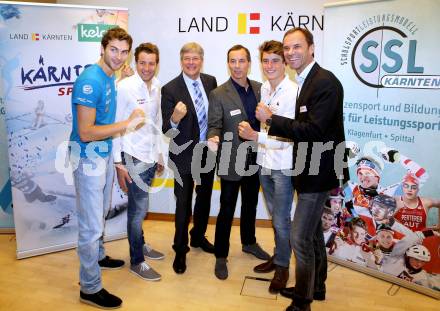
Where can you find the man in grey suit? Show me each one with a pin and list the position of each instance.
(229, 104)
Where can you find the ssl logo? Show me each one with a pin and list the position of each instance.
(381, 53)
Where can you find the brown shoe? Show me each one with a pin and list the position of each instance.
(265, 267)
(279, 280)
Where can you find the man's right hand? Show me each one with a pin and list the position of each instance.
(123, 177)
(213, 143)
(136, 119)
(126, 71)
(179, 112)
(263, 112)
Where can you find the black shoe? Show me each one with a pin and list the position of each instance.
(288, 293)
(256, 250)
(265, 267)
(203, 244)
(102, 299)
(319, 296)
(293, 307)
(111, 264)
(299, 304)
(221, 269)
(179, 264)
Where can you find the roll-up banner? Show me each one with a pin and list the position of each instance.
(385, 54)
(43, 49)
(6, 217)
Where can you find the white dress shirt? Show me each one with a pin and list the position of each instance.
(275, 152)
(189, 85)
(144, 143)
(302, 77)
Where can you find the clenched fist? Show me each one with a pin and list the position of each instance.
(179, 112)
(246, 132)
(136, 119)
(126, 71)
(263, 113)
(213, 143)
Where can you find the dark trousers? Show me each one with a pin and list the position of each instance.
(250, 185)
(202, 207)
(308, 245)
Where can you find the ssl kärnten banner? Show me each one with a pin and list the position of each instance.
(384, 53)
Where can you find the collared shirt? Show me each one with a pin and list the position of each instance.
(189, 85)
(144, 143)
(249, 101)
(274, 152)
(302, 77)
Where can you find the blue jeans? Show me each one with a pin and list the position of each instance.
(138, 203)
(93, 186)
(278, 193)
(308, 246)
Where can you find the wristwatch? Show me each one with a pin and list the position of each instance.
(268, 121)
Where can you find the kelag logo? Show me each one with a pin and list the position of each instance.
(385, 56)
(92, 32)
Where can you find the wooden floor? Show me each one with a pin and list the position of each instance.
(50, 282)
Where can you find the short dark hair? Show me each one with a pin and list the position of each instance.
(272, 46)
(116, 33)
(148, 48)
(238, 47)
(304, 31)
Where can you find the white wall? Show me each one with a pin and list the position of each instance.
(158, 22)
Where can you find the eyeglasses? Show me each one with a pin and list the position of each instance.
(194, 59)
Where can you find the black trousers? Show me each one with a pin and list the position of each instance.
(202, 207)
(250, 186)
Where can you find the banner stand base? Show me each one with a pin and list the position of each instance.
(386, 277)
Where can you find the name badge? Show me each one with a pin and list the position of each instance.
(235, 112)
(303, 109)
